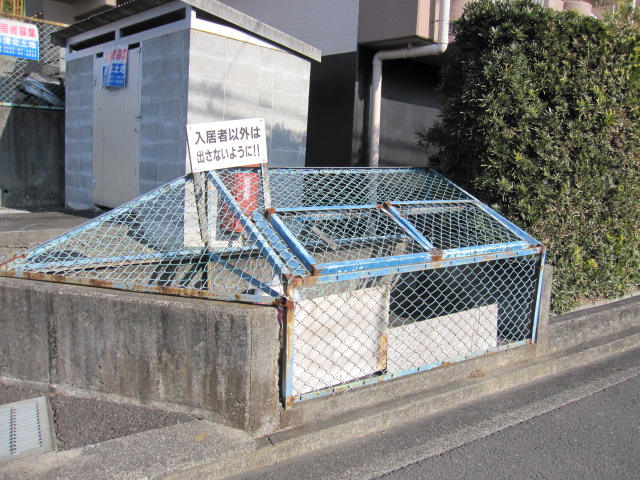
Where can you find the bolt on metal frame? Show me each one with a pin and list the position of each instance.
(378, 273)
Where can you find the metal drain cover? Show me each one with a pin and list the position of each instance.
(24, 428)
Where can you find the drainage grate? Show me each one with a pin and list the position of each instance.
(24, 428)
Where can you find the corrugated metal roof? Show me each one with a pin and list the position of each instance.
(212, 7)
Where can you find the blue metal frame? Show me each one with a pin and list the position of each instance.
(251, 229)
(485, 249)
(427, 264)
(293, 243)
(289, 259)
(408, 226)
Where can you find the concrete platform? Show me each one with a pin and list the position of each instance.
(20, 229)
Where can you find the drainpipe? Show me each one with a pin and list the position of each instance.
(376, 77)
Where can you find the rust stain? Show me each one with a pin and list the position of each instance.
(436, 254)
(384, 347)
(295, 282)
(200, 437)
(298, 281)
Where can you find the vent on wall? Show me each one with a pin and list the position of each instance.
(24, 428)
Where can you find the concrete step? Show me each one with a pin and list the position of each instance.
(582, 326)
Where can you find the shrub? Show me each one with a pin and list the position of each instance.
(541, 120)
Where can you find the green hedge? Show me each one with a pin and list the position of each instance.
(541, 119)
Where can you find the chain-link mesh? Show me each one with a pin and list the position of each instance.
(30, 82)
(354, 234)
(391, 325)
(333, 187)
(415, 274)
(450, 226)
(183, 236)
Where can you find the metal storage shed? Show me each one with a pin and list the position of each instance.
(377, 273)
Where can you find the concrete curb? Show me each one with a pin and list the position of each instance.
(175, 453)
(145, 455)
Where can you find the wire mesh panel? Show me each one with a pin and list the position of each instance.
(383, 272)
(359, 332)
(339, 333)
(338, 235)
(25, 82)
(366, 186)
(456, 225)
(183, 238)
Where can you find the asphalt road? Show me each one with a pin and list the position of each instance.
(584, 423)
(597, 437)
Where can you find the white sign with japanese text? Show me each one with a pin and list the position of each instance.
(234, 143)
(18, 39)
(114, 69)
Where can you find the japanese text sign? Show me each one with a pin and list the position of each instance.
(234, 143)
(19, 39)
(114, 69)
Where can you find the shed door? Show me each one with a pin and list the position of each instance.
(115, 135)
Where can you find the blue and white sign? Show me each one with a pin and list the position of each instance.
(114, 70)
(19, 39)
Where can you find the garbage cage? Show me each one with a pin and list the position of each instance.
(378, 273)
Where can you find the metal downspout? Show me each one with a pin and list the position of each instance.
(376, 77)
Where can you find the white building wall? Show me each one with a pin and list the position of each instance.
(330, 25)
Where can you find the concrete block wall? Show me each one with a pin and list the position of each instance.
(230, 79)
(220, 357)
(79, 134)
(163, 99)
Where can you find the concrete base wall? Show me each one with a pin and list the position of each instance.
(221, 357)
(31, 158)
(186, 355)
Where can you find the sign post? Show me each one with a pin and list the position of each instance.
(230, 144)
